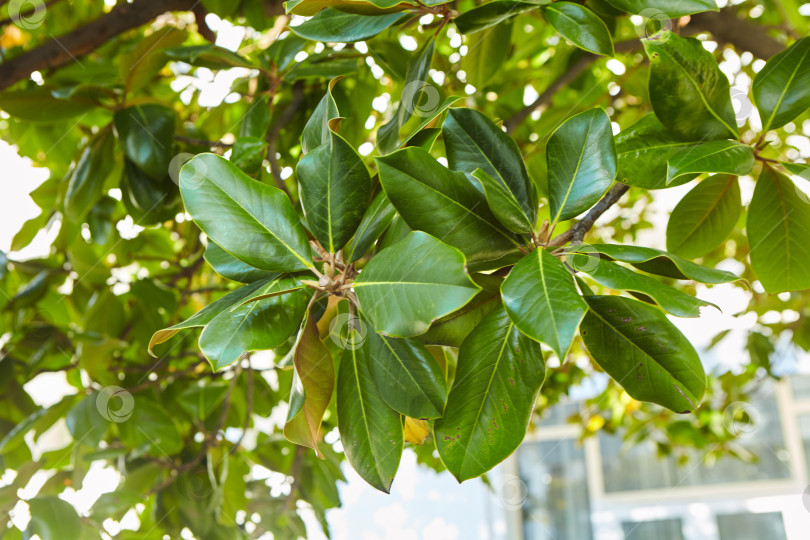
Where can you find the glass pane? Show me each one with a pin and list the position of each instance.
(661, 529)
(557, 507)
(736, 526)
(800, 384)
(804, 432)
(639, 467)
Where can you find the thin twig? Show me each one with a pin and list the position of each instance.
(576, 233)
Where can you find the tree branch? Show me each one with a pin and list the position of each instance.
(284, 118)
(576, 233)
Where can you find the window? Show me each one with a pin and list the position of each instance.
(557, 507)
(661, 529)
(804, 432)
(735, 526)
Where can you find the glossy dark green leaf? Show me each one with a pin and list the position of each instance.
(491, 14)
(87, 180)
(444, 203)
(473, 142)
(660, 263)
(146, 133)
(581, 160)
(778, 232)
(39, 105)
(705, 217)
(209, 56)
(253, 221)
(335, 187)
(249, 153)
(503, 204)
(497, 381)
(728, 157)
(147, 200)
(365, 7)
(313, 384)
(688, 92)
(376, 219)
(643, 151)
(409, 285)
(780, 88)
(370, 431)
(616, 276)
(316, 131)
(407, 376)
(52, 519)
(228, 266)
(541, 299)
(644, 352)
(254, 326)
(333, 26)
(581, 26)
(486, 54)
(672, 8)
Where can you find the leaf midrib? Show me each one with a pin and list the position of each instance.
(784, 91)
(574, 176)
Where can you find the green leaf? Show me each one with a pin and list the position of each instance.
(87, 180)
(228, 266)
(688, 92)
(151, 425)
(659, 262)
(209, 56)
(473, 142)
(313, 383)
(705, 217)
(146, 133)
(407, 376)
(416, 89)
(616, 276)
(778, 231)
(581, 160)
(201, 401)
(147, 200)
(491, 14)
(541, 299)
(486, 54)
(316, 131)
(39, 105)
(503, 204)
(672, 8)
(374, 222)
(643, 151)
(728, 157)
(497, 381)
(370, 431)
(85, 422)
(137, 67)
(254, 222)
(365, 7)
(444, 203)
(780, 88)
(581, 26)
(335, 187)
(249, 153)
(52, 519)
(333, 26)
(409, 285)
(644, 352)
(254, 326)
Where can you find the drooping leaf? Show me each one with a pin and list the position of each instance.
(147, 200)
(87, 180)
(228, 266)
(85, 423)
(497, 381)
(335, 187)
(146, 133)
(705, 217)
(581, 26)
(333, 26)
(370, 431)
(313, 383)
(52, 519)
(209, 56)
(409, 285)
(253, 221)
(581, 160)
(316, 131)
(491, 14)
(473, 142)
(541, 299)
(444, 203)
(688, 92)
(363, 7)
(503, 204)
(147, 58)
(407, 376)
(39, 105)
(644, 352)
(728, 157)
(778, 231)
(376, 219)
(487, 51)
(780, 88)
(254, 326)
(672, 8)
